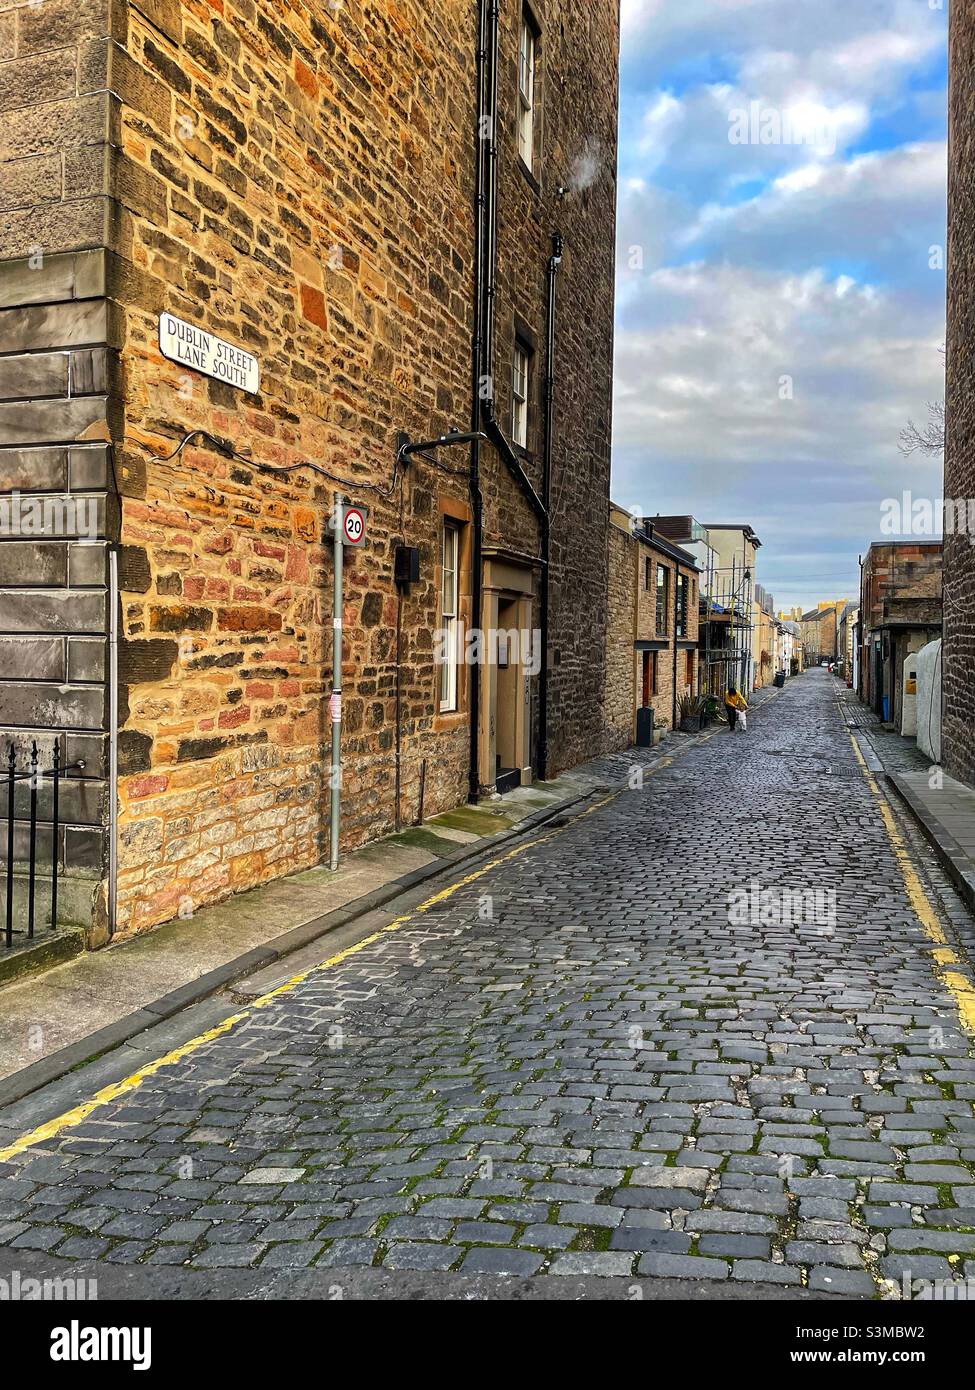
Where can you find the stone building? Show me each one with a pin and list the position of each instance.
(958, 728)
(248, 253)
(727, 557)
(766, 637)
(900, 612)
(652, 646)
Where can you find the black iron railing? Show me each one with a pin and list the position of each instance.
(34, 775)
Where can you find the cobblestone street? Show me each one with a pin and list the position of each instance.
(584, 1061)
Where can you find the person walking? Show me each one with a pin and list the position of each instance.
(735, 706)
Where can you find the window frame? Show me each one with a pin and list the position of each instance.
(683, 604)
(662, 620)
(449, 696)
(520, 399)
(527, 105)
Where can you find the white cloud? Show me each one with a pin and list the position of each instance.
(781, 318)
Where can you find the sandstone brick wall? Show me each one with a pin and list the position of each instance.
(299, 178)
(621, 661)
(958, 732)
(311, 164)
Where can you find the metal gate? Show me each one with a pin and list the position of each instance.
(27, 837)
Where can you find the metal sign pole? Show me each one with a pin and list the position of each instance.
(335, 703)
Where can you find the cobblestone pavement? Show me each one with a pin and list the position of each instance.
(584, 1062)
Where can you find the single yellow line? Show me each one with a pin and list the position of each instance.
(959, 986)
(52, 1128)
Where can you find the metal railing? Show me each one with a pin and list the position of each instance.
(34, 775)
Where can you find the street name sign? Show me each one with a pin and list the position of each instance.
(190, 346)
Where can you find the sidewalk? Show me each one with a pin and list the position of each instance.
(943, 808)
(946, 815)
(52, 1022)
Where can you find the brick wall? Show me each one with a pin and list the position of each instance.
(300, 180)
(576, 144)
(621, 662)
(682, 671)
(958, 732)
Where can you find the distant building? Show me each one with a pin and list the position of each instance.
(727, 555)
(766, 637)
(652, 648)
(846, 640)
(900, 612)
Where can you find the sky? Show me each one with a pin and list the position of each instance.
(781, 284)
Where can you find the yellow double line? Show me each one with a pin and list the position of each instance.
(52, 1128)
(957, 983)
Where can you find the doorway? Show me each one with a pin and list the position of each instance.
(508, 771)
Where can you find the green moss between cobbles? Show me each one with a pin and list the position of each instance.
(591, 1238)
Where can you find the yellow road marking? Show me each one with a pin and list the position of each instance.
(52, 1128)
(959, 986)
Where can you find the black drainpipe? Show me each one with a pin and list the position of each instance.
(555, 261)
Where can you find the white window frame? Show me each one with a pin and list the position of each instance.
(521, 367)
(526, 92)
(450, 616)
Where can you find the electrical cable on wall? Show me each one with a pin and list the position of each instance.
(223, 446)
(404, 456)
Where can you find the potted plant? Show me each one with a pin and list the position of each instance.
(690, 709)
(709, 714)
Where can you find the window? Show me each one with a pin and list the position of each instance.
(682, 591)
(521, 378)
(526, 92)
(689, 679)
(450, 602)
(648, 575)
(651, 685)
(663, 597)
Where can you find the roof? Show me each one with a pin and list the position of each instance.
(665, 547)
(735, 526)
(651, 539)
(907, 545)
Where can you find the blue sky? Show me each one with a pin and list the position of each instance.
(780, 309)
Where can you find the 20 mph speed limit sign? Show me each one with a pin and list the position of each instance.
(353, 526)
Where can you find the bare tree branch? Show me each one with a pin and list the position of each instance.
(928, 438)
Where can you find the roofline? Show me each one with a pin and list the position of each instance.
(733, 526)
(902, 545)
(673, 552)
(661, 543)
